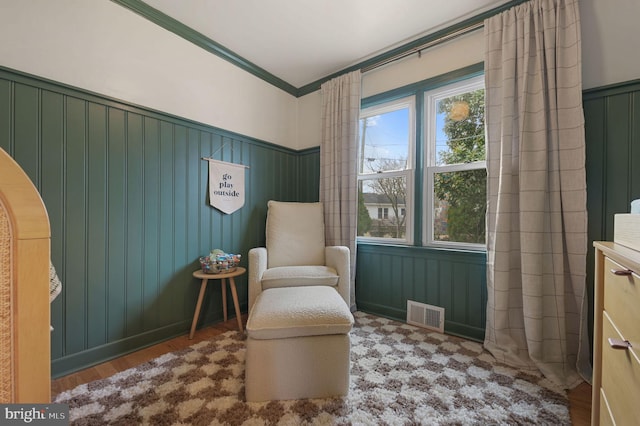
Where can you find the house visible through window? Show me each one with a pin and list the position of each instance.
(385, 170)
(448, 135)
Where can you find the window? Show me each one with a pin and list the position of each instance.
(383, 213)
(430, 133)
(455, 166)
(385, 170)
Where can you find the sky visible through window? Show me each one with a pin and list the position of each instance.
(387, 138)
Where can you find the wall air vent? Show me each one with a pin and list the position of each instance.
(427, 316)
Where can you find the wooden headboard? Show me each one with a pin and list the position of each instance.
(25, 342)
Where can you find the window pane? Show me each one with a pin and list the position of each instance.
(380, 203)
(459, 205)
(460, 128)
(384, 142)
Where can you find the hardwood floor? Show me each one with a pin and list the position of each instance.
(109, 368)
(579, 397)
(580, 404)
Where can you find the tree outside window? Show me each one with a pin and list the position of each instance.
(385, 169)
(457, 166)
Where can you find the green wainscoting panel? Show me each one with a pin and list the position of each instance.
(309, 175)
(126, 191)
(612, 127)
(387, 276)
(612, 133)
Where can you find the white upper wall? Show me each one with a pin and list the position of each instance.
(105, 48)
(609, 41)
(459, 53)
(441, 59)
(609, 56)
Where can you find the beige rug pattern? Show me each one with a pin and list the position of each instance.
(400, 375)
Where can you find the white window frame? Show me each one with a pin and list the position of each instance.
(431, 98)
(408, 102)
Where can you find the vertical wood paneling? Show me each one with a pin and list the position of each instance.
(388, 276)
(225, 230)
(134, 220)
(634, 144)
(460, 293)
(612, 133)
(595, 166)
(595, 163)
(181, 238)
(116, 220)
(26, 129)
(395, 279)
(215, 218)
(617, 159)
(75, 225)
(96, 224)
(151, 249)
(308, 175)
(192, 214)
(408, 277)
(193, 195)
(476, 289)
(433, 274)
(52, 192)
(444, 283)
(167, 190)
(203, 195)
(419, 291)
(181, 271)
(6, 115)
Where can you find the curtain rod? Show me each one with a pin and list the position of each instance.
(431, 43)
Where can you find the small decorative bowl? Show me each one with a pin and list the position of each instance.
(221, 265)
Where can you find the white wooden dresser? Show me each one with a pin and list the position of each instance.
(616, 357)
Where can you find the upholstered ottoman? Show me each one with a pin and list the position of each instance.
(298, 344)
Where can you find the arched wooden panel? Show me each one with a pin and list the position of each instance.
(25, 365)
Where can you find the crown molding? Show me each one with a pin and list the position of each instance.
(189, 34)
(217, 49)
(413, 45)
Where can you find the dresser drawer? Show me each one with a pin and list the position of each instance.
(620, 378)
(622, 301)
(605, 414)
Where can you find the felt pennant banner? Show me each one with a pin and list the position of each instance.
(226, 185)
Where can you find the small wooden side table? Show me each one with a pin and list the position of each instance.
(222, 277)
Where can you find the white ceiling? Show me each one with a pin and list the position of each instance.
(302, 41)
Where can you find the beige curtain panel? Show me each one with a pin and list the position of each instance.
(338, 163)
(536, 215)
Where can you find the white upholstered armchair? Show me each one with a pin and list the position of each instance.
(295, 252)
(298, 343)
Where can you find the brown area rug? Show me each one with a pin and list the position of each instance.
(400, 375)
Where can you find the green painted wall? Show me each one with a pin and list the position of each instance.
(612, 127)
(125, 189)
(309, 175)
(387, 276)
(612, 131)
